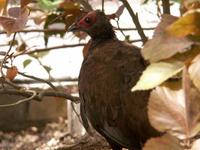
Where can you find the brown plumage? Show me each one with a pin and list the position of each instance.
(107, 74)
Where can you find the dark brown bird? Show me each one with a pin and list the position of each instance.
(108, 73)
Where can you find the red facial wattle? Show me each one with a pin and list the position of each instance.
(92, 19)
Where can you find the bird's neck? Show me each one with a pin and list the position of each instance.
(102, 36)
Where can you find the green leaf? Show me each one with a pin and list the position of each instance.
(39, 54)
(47, 68)
(50, 20)
(49, 4)
(157, 73)
(26, 62)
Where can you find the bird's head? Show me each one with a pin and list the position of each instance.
(94, 23)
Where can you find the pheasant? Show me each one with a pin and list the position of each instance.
(109, 71)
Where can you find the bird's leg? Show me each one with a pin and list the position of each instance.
(114, 146)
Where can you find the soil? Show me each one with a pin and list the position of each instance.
(53, 136)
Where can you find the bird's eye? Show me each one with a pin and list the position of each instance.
(87, 20)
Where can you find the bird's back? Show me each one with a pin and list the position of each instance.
(106, 77)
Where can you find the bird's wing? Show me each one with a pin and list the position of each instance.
(103, 80)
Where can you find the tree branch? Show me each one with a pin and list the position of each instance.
(64, 30)
(33, 95)
(7, 54)
(35, 78)
(136, 21)
(166, 6)
(50, 48)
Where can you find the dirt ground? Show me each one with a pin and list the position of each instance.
(53, 136)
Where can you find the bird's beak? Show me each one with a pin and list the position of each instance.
(73, 27)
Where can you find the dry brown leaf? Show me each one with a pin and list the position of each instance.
(24, 3)
(167, 112)
(194, 71)
(163, 45)
(11, 73)
(165, 142)
(189, 5)
(11, 24)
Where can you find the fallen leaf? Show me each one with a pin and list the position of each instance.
(165, 142)
(157, 73)
(167, 112)
(11, 73)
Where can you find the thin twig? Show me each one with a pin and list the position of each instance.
(8, 82)
(60, 47)
(6, 55)
(102, 5)
(136, 21)
(30, 81)
(117, 21)
(77, 114)
(34, 93)
(74, 99)
(64, 30)
(50, 48)
(35, 78)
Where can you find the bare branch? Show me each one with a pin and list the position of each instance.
(35, 78)
(64, 30)
(22, 100)
(136, 21)
(33, 95)
(166, 6)
(102, 5)
(7, 54)
(50, 48)
(59, 47)
(30, 81)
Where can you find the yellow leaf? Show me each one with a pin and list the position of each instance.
(157, 73)
(2, 4)
(163, 45)
(188, 24)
